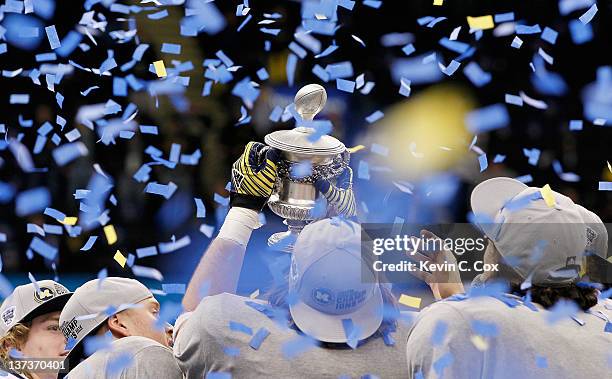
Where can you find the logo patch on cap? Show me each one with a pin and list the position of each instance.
(350, 299)
(44, 294)
(8, 315)
(322, 296)
(71, 329)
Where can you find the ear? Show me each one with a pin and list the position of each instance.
(117, 326)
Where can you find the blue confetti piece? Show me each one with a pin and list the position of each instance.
(148, 129)
(89, 244)
(174, 288)
(201, 209)
(2, 237)
(339, 70)
(482, 161)
(588, 15)
(351, 332)
(119, 87)
(32, 201)
(44, 249)
(301, 169)
(476, 75)
(605, 186)
(158, 15)
(231, 351)
(608, 327)
(46, 57)
(372, 3)
(575, 125)
(290, 69)
(69, 152)
(499, 158)
(484, 328)
(375, 116)
(271, 31)
(561, 310)
(3, 48)
(456, 46)
(415, 70)
(165, 190)
(218, 375)
(363, 170)
(320, 73)
(168, 247)
(330, 49)
(246, 21)
(17, 98)
(171, 48)
(69, 43)
(54, 41)
(549, 35)
(504, 17)
(580, 33)
(541, 361)
(345, 85)
(487, 118)
(262, 74)
(239, 327)
(246, 91)
(439, 332)
(148, 251)
(527, 29)
(443, 362)
(514, 100)
(533, 155)
(451, 68)
(276, 114)
(22, 31)
(223, 201)
(258, 338)
(297, 49)
(517, 43)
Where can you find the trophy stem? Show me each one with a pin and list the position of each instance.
(285, 241)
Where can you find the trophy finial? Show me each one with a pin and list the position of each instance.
(310, 100)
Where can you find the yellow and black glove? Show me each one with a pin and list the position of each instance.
(253, 176)
(340, 197)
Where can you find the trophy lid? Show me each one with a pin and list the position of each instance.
(296, 141)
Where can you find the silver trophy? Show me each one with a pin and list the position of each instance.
(294, 198)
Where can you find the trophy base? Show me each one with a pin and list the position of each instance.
(285, 241)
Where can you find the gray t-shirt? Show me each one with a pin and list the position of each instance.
(518, 342)
(131, 357)
(205, 343)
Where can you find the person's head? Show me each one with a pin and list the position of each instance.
(330, 295)
(29, 322)
(119, 306)
(538, 237)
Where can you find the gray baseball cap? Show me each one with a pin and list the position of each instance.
(95, 301)
(27, 302)
(541, 242)
(326, 275)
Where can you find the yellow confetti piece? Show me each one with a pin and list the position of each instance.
(111, 235)
(548, 196)
(482, 22)
(70, 221)
(609, 259)
(160, 69)
(255, 294)
(410, 301)
(119, 258)
(480, 343)
(438, 2)
(355, 149)
(609, 167)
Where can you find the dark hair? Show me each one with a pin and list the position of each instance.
(584, 296)
(277, 297)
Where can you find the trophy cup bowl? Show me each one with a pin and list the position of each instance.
(294, 198)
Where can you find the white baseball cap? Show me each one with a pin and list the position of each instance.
(329, 285)
(541, 242)
(95, 301)
(27, 302)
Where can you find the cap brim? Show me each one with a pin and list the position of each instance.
(491, 195)
(328, 328)
(54, 305)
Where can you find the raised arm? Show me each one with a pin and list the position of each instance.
(253, 177)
